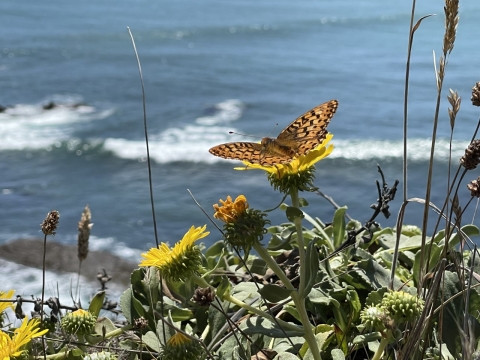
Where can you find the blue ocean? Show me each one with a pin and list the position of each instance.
(71, 128)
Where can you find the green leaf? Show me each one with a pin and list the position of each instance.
(292, 310)
(366, 338)
(274, 293)
(302, 202)
(322, 339)
(469, 230)
(126, 305)
(258, 266)
(435, 252)
(215, 250)
(97, 303)
(353, 301)
(151, 285)
(152, 341)
(337, 354)
(339, 226)
(263, 326)
(294, 213)
(177, 314)
(104, 324)
(216, 263)
(311, 268)
(286, 356)
(223, 288)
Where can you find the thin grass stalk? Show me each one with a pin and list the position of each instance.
(149, 165)
(467, 300)
(405, 102)
(49, 227)
(44, 266)
(451, 22)
(146, 136)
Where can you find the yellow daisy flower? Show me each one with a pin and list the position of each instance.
(301, 163)
(230, 210)
(5, 295)
(243, 227)
(181, 347)
(11, 347)
(298, 173)
(179, 263)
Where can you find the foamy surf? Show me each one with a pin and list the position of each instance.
(38, 126)
(222, 113)
(61, 285)
(191, 144)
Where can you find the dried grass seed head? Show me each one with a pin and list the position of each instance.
(455, 102)
(451, 23)
(476, 94)
(474, 187)
(49, 225)
(472, 155)
(84, 227)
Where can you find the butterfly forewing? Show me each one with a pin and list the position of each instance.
(302, 135)
(310, 129)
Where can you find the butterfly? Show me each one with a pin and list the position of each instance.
(304, 134)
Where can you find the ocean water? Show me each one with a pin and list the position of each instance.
(211, 67)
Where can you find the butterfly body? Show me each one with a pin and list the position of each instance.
(302, 135)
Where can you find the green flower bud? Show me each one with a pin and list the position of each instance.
(79, 322)
(372, 317)
(401, 306)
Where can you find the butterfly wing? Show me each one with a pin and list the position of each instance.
(310, 129)
(247, 151)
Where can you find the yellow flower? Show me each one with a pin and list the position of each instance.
(297, 174)
(243, 227)
(181, 347)
(298, 164)
(178, 340)
(11, 347)
(4, 296)
(230, 210)
(179, 263)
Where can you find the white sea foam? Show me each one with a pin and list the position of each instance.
(27, 126)
(111, 245)
(223, 112)
(418, 149)
(27, 281)
(191, 144)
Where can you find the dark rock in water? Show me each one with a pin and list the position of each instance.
(2, 108)
(49, 106)
(63, 258)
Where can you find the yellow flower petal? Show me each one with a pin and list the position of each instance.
(298, 164)
(181, 260)
(5, 296)
(230, 210)
(22, 336)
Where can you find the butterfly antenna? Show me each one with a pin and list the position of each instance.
(270, 133)
(236, 133)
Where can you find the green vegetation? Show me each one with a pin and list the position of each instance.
(304, 289)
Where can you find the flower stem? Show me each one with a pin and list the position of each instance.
(200, 281)
(380, 349)
(300, 301)
(261, 313)
(263, 253)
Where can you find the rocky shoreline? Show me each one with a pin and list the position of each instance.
(63, 258)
